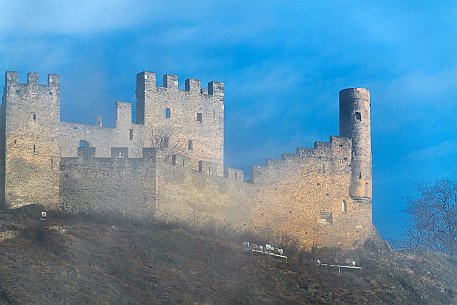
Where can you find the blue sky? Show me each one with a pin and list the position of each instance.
(283, 63)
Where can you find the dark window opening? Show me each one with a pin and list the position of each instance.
(360, 175)
(167, 113)
(199, 117)
(209, 170)
(34, 149)
(190, 145)
(358, 116)
(33, 116)
(131, 134)
(84, 144)
(326, 218)
(15, 141)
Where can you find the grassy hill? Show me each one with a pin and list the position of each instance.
(87, 260)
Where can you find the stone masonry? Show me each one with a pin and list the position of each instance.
(169, 164)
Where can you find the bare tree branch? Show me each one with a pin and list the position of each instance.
(433, 217)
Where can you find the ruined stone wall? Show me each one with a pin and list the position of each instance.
(320, 195)
(199, 198)
(306, 195)
(31, 142)
(109, 186)
(2, 149)
(125, 134)
(191, 119)
(195, 116)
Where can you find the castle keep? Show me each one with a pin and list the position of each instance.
(169, 164)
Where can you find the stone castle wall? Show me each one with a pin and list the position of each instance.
(200, 198)
(192, 119)
(114, 186)
(303, 195)
(319, 195)
(306, 195)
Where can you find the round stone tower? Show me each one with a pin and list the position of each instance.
(355, 124)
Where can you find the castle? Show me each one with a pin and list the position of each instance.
(169, 164)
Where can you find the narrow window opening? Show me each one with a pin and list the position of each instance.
(344, 206)
(199, 117)
(360, 175)
(190, 145)
(131, 134)
(34, 117)
(358, 116)
(323, 168)
(34, 149)
(15, 141)
(166, 141)
(209, 170)
(167, 113)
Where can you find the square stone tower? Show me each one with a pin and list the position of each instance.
(193, 118)
(30, 155)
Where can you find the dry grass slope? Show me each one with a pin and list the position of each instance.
(89, 260)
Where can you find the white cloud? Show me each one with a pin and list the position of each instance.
(435, 152)
(54, 16)
(421, 85)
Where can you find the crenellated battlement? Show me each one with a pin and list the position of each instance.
(148, 80)
(324, 157)
(12, 78)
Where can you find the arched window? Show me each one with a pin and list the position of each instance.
(84, 144)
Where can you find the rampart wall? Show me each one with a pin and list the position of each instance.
(306, 195)
(109, 186)
(200, 198)
(303, 195)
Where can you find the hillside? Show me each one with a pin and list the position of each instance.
(81, 260)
